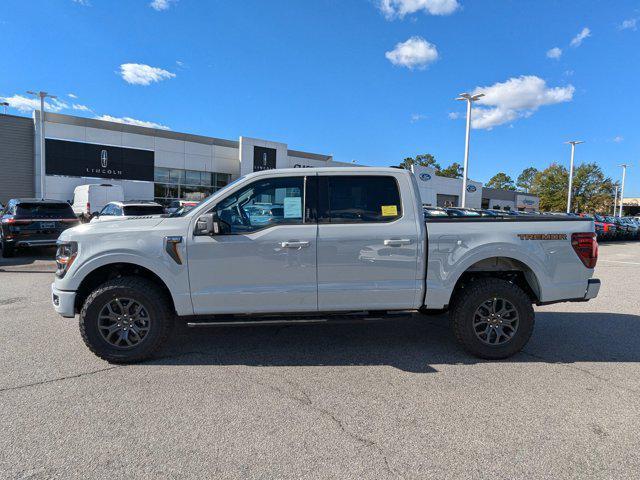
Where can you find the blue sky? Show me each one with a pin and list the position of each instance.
(365, 80)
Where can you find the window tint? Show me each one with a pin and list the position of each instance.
(45, 210)
(136, 210)
(261, 204)
(358, 199)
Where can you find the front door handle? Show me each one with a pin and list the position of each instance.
(397, 242)
(294, 244)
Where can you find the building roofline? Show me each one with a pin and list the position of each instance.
(124, 127)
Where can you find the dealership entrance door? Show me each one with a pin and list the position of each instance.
(447, 200)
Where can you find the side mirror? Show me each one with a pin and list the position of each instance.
(207, 224)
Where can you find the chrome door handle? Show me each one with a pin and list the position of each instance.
(292, 244)
(397, 242)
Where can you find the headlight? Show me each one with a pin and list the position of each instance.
(65, 256)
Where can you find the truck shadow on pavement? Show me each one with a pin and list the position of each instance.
(413, 345)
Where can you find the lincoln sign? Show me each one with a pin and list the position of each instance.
(77, 159)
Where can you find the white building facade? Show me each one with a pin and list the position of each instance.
(439, 191)
(150, 163)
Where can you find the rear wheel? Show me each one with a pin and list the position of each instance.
(492, 318)
(126, 320)
(8, 250)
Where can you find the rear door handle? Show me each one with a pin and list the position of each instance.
(397, 242)
(294, 244)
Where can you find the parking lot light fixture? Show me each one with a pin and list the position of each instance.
(624, 174)
(469, 99)
(42, 96)
(4, 107)
(573, 144)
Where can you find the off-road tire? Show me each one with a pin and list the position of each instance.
(469, 298)
(161, 315)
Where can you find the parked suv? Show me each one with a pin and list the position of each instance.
(28, 222)
(120, 210)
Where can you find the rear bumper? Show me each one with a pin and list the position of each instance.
(63, 302)
(593, 287)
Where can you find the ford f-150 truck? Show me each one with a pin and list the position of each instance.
(315, 245)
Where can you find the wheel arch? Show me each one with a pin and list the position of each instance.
(108, 271)
(503, 267)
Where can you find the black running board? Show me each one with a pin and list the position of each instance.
(270, 321)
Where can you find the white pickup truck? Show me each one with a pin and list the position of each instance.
(315, 245)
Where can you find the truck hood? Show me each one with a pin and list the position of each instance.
(130, 224)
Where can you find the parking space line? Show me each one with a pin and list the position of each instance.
(619, 261)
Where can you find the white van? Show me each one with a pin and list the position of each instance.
(90, 199)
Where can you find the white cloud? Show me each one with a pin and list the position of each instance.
(518, 97)
(28, 104)
(618, 138)
(160, 5)
(414, 53)
(577, 40)
(454, 115)
(399, 8)
(629, 24)
(132, 121)
(81, 108)
(72, 95)
(416, 117)
(141, 74)
(555, 52)
(85, 3)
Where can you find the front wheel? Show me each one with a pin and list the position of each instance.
(492, 318)
(126, 320)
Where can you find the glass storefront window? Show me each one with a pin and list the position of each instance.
(176, 176)
(176, 184)
(192, 177)
(161, 175)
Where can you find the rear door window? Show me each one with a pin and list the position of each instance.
(358, 199)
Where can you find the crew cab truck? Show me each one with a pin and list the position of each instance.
(334, 243)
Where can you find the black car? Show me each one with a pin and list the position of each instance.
(28, 222)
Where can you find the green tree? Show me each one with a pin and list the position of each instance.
(592, 190)
(502, 181)
(525, 179)
(551, 186)
(424, 160)
(452, 171)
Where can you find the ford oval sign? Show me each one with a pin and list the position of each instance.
(471, 188)
(425, 177)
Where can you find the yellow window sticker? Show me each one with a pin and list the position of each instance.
(389, 210)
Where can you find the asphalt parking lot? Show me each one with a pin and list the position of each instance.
(383, 400)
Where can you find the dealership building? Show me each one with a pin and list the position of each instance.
(162, 165)
(148, 163)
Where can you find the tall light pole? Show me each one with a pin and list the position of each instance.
(4, 107)
(42, 96)
(624, 174)
(469, 99)
(573, 144)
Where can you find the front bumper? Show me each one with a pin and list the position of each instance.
(593, 287)
(63, 302)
